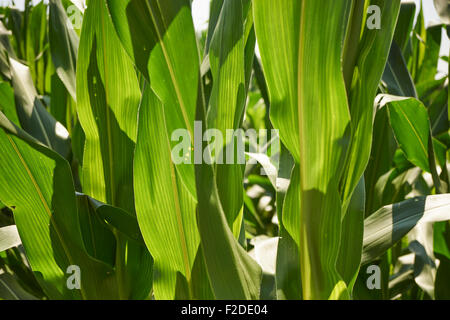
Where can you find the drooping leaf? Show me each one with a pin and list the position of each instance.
(37, 182)
(389, 224)
(116, 218)
(100, 224)
(350, 250)
(33, 116)
(233, 273)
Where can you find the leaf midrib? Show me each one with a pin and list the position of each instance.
(108, 120)
(169, 66)
(182, 235)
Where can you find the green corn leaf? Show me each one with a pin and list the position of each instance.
(6, 43)
(7, 103)
(425, 90)
(288, 274)
(60, 102)
(442, 278)
(382, 156)
(226, 104)
(33, 116)
(37, 183)
(99, 224)
(443, 9)
(428, 66)
(214, 13)
(165, 208)
(438, 112)
(396, 76)
(233, 273)
(36, 45)
(417, 52)
(356, 20)
(116, 218)
(173, 75)
(315, 130)
(98, 240)
(15, 23)
(96, 182)
(440, 150)
(371, 62)
(441, 239)
(174, 78)
(405, 24)
(152, 32)
(409, 120)
(63, 45)
(108, 98)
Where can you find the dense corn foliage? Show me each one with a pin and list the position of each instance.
(348, 197)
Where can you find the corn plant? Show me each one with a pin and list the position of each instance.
(121, 175)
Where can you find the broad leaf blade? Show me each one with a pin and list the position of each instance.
(165, 209)
(108, 96)
(226, 104)
(152, 32)
(46, 215)
(409, 120)
(309, 107)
